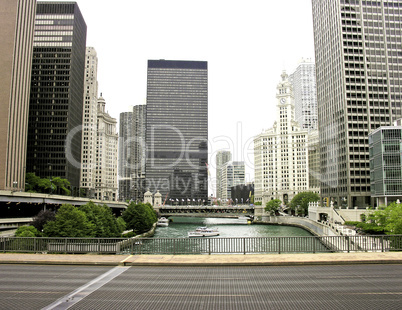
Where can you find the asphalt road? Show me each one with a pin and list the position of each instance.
(292, 287)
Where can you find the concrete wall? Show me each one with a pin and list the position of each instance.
(314, 227)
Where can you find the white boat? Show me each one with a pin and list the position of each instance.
(163, 221)
(203, 232)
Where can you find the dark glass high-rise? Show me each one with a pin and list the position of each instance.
(177, 130)
(57, 88)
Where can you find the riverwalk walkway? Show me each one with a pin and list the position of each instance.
(205, 260)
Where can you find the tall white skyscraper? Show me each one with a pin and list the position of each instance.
(106, 154)
(359, 88)
(280, 153)
(89, 132)
(99, 139)
(305, 95)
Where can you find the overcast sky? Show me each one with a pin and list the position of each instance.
(247, 45)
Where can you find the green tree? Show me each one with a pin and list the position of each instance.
(57, 185)
(389, 218)
(102, 217)
(69, 222)
(301, 200)
(27, 231)
(60, 186)
(273, 206)
(31, 182)
(44, 186)
(139, 217)
(121, 224)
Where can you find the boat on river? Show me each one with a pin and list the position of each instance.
(163, 221)
(203, 232)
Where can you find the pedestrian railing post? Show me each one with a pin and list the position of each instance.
(279, 245)
(314, 242)
(209, 246)
(244, 246)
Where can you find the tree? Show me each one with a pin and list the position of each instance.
(389, 218)
(104, 221)
(35, 184)
(69, 222)
(42, 218)
(31, 182)
(139, 217)
(61, 186)
(301, 200)
(27, 231)
(273, 206)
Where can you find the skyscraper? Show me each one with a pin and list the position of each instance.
(305, 95)
(16, 36)
(280, 153)
(137, 145)
(56, 100)
(106, 154)
(132, 154)
(125, 151)
(232, 174)
(177, 129)
(386, 165)
(89, 126)
(222, 157)
(358, 56)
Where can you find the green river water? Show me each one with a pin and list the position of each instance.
(180, 226)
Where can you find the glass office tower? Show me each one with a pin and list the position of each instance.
(57, 88)
(177, 130)
(386, 165)
(359, 88)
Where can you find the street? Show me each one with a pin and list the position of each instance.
(288, 287)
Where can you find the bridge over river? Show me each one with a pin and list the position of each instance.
(207, 211)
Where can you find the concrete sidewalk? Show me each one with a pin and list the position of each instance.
(204, 260)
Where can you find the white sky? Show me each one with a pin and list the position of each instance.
(247, 45)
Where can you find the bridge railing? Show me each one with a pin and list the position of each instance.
(249, 245)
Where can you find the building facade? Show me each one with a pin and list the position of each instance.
(177, 129)
(132, 154)
(89, 126)
(17, 19)
(313, 143)
(232, 174)
(243, 193)
(222, 157)
(357, 51)
(305, 95)
(281, 152)
(57, 89)
(138, 150)
(106, 155)
(386, 165)
(124, 166)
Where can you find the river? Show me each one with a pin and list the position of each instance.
(180, 226)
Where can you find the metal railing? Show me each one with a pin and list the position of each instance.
(250, 245)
